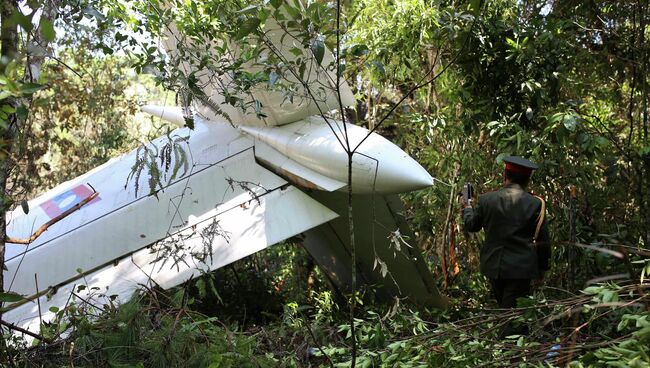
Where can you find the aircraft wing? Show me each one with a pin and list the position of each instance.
(224, 207)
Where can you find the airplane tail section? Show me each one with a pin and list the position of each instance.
(313, 92)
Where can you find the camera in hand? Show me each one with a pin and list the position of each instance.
(468, 192)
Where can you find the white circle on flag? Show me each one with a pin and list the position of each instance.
(67, 201)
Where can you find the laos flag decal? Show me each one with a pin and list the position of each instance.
(66, 200)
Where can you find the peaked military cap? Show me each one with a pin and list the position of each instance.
(519, 165)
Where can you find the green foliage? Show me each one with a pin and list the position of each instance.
(402, 337)
(563, 83)
(165, 172)
(9, 297)
(142, 332)
(633, 351)
(12, 93)
(164, 329)
(517, 84)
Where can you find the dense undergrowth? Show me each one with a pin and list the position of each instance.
(606, 324)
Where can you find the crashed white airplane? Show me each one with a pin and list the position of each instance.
(226, 191)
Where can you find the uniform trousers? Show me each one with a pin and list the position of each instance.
(506, 292)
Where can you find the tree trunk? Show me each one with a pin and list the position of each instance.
(8, 49)
(646, 159)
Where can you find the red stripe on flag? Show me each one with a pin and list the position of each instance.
(53, 206)
(51, 209)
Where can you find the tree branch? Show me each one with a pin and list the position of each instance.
(11, 326)
(421, 83)
(53, 221)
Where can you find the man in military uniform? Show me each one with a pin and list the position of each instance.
(517, 245)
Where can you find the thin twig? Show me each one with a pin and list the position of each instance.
(11, 326)
(38, 302)
(311, 333)
(65, 65)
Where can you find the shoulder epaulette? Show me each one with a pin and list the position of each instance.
(540, 218)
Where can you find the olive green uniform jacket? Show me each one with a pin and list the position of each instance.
(509, 216)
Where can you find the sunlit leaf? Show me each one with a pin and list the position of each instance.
(10, 297)
(570, 122)
(47, 30)
(273, 78)
(247, 27)
(529, 113)
(31, 88)
(318, 49)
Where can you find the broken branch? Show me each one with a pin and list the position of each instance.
(53, 221)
